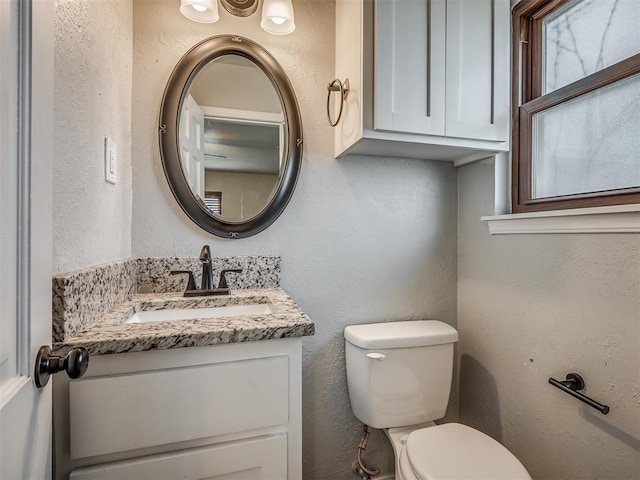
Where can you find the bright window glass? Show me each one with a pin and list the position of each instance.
(587, 36)
(588, 144)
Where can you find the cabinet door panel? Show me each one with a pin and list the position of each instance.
(128, 412)
(409, 61)
(477, 69)
(254, 459)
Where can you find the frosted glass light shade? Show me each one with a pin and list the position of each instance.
(277, 17)
(203, 11)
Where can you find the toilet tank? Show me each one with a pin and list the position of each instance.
(399, 373)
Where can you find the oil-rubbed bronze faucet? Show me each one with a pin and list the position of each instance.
(207, 269)
(206, 285)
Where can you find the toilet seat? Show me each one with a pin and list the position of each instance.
(455, 451)
(404, 466)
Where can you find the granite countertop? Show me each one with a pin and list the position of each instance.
(110, 334)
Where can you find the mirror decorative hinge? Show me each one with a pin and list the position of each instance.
(163, 129)
(236, 39)
(299, 143)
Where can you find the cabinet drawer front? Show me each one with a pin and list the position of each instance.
(255, 459)
(127, 412)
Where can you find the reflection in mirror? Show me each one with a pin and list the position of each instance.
(232, 138)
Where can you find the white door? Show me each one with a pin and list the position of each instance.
(192, 145)
(26, 116)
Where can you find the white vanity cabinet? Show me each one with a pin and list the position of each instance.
(223, 412)
(428, 78)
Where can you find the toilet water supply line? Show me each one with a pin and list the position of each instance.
(359, 467)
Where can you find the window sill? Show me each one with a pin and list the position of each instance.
(616, 219)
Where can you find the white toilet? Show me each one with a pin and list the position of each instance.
(399, 376)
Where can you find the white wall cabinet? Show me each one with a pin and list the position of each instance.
(429, 78)
(223, 412)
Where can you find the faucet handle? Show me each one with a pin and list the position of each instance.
(191, 284)
(223, 276)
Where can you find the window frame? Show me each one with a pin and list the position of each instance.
(527, 99)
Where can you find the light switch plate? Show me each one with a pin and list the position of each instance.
(110, 161)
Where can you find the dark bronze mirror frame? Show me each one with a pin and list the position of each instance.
(178, 86)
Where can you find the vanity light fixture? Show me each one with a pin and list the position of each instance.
(277, 15)
(203, 11)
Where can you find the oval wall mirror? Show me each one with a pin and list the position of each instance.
(230, 136)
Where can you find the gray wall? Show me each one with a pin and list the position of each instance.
(93, 51)
(532, 307)
(362, 240)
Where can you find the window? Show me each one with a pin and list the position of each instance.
(576, 104)
(213, 201)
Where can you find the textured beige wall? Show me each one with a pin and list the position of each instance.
(236, 86)
(244, 195)
(532, 307)
(93, 51)
(362, 240)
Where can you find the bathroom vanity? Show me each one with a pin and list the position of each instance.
(217, 395)
(202, 412)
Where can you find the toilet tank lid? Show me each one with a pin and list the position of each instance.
(417, 333)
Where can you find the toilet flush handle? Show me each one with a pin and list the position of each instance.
(377, 356)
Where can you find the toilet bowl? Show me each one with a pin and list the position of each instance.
(399, 377)
(452, 451)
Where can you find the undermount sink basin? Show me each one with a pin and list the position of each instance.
(168, 315)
